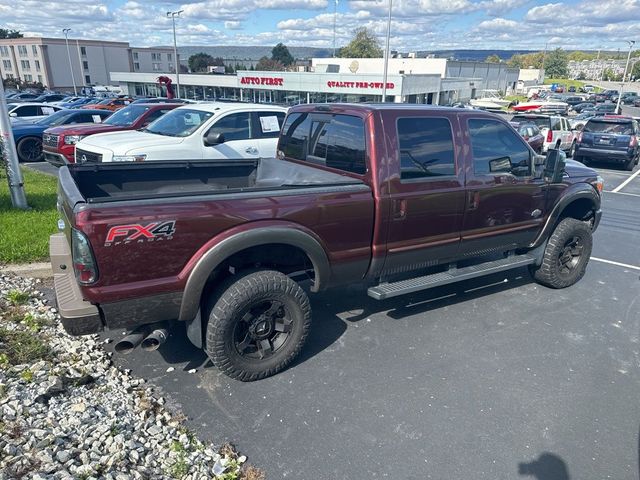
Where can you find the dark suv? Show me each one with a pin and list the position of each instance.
(610, 138)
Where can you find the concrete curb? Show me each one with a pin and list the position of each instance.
(34, 270)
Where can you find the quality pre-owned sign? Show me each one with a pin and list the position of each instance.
(335, 84)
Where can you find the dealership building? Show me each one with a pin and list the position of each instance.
(410, 80)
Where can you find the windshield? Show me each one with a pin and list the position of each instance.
(127, 116)
(618, 128)
(58, 118)
(105, 102)
(179, 123)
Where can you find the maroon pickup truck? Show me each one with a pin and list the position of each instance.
(400, 197)
(59, 143)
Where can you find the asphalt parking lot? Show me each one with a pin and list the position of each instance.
(490, 379)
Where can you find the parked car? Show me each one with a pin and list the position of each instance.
(60, 142)
(29, 112)
(608, 94)
(553, 128)
(573, 100)
(162, 100)
(606, 108)
(22, 97)
(581, 106)
(531, 133)
(572, 89)
(192, 132)
(81, 101)
(610, 138)
(219, 246)
(28, 136)
(628, 98)
(112, 104)
(636, 102)
(50, 98)
(578, 122)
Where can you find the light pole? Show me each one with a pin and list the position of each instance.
(631, 44)
(386, 56)
(173, 16)
(335, 16)
(73, 78)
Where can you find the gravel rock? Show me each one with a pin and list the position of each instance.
(73, 414)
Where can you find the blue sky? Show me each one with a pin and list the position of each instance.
(417, 24)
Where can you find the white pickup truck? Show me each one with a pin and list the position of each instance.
(205, 131)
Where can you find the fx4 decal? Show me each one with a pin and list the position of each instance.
(126, 234)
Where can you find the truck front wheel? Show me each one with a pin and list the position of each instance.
(258, 323)
(566, 254)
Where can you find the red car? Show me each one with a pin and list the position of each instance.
(531, 133)
(59, 143)
(112, 104)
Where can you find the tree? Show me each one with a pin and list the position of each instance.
(555, 64)
(200, 61)
(280, 53)
(268, 64)
(5, 33)
(218, 62)
(635, 71)
(529, 60)
(364, 45)
(493, 59)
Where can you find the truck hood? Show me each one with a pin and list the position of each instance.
(88, 129)
(577, 169)
(121, 143)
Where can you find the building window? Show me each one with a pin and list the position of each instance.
(83, 50)
(169, 57)
(135, 55)
(156, 67)
(28, 78)
(136, 66)
(4, 51)
(25, 65)
(34, 49)
(6, 64)
(37, 65)
(85, 65)
(156, 56)
(22, 50)
(171, 67)
(87, 79)
(39, 78)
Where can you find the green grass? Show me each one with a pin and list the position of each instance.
(18, 347)
(24, 235)
(566, 82)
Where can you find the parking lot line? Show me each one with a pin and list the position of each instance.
(618, 264)
(623, 193)
(626, 182)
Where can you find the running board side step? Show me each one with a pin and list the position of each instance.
(389, 290)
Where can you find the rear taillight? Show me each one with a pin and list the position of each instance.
(549, 136)
(633, 142)
(84, 265)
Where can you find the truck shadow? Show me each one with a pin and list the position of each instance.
(334, 309)
(547, 466)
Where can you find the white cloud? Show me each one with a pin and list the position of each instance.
(232, 25)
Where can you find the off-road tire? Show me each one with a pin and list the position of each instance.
(237, 298)
(551, 272)
(27, 147)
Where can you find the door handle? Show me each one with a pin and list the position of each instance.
(399, 209)
(473, 200)
(251, 150)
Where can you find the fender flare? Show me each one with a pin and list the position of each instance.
(246, 239)
(573, 193)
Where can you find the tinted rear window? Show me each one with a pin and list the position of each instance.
(541, 122)
(335, 141)
(426, 147)
(618, 128)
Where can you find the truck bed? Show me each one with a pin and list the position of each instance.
(100, 183)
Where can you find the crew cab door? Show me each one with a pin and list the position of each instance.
(426, 190)
(504, 201)
(238, 141)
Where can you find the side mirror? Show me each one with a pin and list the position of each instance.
(554, 164)
(213, 138)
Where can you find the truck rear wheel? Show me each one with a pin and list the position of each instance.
(258, 323)
(566, 255)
